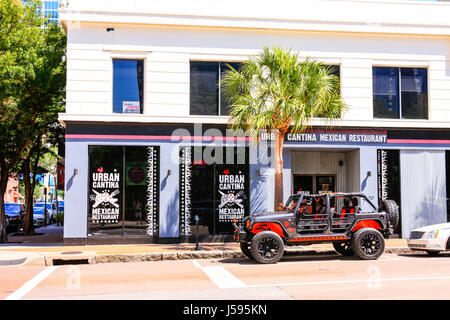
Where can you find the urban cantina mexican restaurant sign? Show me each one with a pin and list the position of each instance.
(104, 196)
(333, 136)
(231, 194)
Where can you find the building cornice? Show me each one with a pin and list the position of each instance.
(391, 17)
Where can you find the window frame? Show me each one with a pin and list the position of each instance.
(399, 67)
(219, 92)
(144, 93)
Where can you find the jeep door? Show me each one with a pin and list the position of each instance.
(312, 215)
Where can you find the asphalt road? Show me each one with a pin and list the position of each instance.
(392, 276)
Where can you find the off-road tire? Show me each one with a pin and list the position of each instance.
(245, 248)
(267, 247)
(344, 248)
(391, 208)
(368, 243)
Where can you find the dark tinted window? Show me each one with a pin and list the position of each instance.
(224, 103)
(206, 96)
(123, 190)
(204, 90)
(385, 92)
(414, 93)
(128, 88)
(400, 93)
(334, 70)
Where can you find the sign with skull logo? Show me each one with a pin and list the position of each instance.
(231, 194)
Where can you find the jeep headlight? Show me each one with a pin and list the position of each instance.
(432, 234)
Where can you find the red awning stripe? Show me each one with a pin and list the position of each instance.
(147, 137)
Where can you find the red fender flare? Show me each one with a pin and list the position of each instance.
(271, 226)
(366, 224)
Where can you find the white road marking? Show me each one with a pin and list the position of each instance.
(387, 258)
(221, 277)
(314, 283)
(321, 259)
(31, 284)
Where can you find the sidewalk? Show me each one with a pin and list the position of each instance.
(48, 249)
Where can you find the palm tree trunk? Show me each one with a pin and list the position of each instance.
(278, 195)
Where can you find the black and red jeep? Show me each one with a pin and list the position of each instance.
(348, 220)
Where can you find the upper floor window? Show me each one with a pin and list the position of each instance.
(334, 69)
(206, 96)
(400, 93)
(128, 86)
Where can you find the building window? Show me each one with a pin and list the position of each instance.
(128, 86)
(216, 190)
(400, 93)
(206, 95)
(334, 69)
(51, 12)
(123, 191)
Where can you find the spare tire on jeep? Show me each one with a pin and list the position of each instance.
(391, 208)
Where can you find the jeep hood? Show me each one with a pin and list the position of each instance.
(264, 216)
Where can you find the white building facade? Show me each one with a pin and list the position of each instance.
(143, 102)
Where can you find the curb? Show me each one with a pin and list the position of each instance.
(93, 258)
(188, 255)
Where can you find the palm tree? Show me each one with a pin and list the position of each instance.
(278, 93)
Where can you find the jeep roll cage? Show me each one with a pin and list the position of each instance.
(327, 196)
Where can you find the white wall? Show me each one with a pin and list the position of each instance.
(423, 190)
(168, 50)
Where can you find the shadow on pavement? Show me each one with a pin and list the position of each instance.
(308, 257)
(424, 255)
(52, 235)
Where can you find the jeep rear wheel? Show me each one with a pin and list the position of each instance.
(344, 248)
(391, 208)
(368, 243)
(267, 247)
(245, 248)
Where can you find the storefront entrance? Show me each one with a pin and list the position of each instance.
(123, 192)
(215, 191)
(315, 172)
(314, 184)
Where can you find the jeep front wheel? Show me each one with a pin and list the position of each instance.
(245, 248)
(267, 247)
(368, 243)
(344, 248)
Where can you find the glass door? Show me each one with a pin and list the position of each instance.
(325, 184)
(314, 184)
(303, 184)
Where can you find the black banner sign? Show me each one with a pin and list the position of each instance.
(232, 189)
(333, 136)
(104, 195)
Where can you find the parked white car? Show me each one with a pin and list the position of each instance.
(39, 214)
(432, 239)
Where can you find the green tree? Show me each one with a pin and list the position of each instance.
(276, 92)
(32, 90)
(45, 94)
(20, 36)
